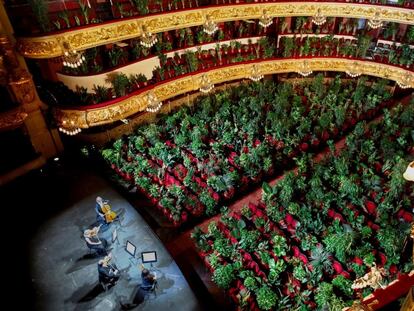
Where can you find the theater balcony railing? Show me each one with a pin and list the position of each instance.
(83, 37)
(84, 117)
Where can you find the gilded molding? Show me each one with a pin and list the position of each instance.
(99, 34)
(169, 89)
(12, 119)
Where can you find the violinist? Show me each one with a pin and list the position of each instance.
(94, 242)
(108, 272)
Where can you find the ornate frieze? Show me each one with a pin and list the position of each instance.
(95, 35)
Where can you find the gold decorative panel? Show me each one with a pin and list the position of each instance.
(95, 35)
(137, 103)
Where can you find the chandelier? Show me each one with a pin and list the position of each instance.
(319, 19)
(353, 70)
(305, 69)
(409, 172)
(205, 85)
(154, 104)
(72, 58)
(255, 74)
(148, 39)
(69, 128)
(209, 27)
(405, 82)
(376, 22)
(265, 21)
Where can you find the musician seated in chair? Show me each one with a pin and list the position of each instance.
(94, 242)
(148, 282)
(108, 272)
(104, 214)
(148, 279)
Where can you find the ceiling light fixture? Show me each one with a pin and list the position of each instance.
(205, 85)
(319, 19)
(154, 104)
(265, 21)
(255, 74)
(305, 69)
(209, 27)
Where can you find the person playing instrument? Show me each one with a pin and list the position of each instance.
(148, 280)
(93, 242)
(104, 214)
(107, 271)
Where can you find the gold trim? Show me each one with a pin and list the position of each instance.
(169, 89)
(99, 34)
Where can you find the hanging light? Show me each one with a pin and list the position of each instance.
(69, 128)
(72, 58)
(319, 19)
(376, 22)
(148, 39)
(154, 104)
(265, 21)
(409, 172)
(405, 82)
(205, 85)
(305, 69)
(255, 74)
(353, 70)
(209, 26)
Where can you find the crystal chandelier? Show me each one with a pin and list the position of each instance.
(72, 58)
(265, 21)
(409, 172)
(305, 69)
(69, 128)
(148, 39)
(376, 22)
(209, 27)
(353, 70)
(319, 19)
(205, 85)
(405, 82)
(255, 74)
(154, 104)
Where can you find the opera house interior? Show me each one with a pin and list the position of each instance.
(189, 155)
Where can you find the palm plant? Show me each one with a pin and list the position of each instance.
(320, 259)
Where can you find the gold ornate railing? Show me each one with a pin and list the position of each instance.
(94, 35)
(122, 108)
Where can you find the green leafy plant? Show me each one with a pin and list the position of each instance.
(266, 298)
(40, 11)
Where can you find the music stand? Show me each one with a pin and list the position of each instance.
(131, 249)
(149, 257)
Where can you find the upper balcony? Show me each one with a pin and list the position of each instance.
(84, 24)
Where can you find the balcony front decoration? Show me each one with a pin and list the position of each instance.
(405, 81)
(319, 19)
(72, 58)
(409, 172)
(353, 70)
(265, 20)
(69, 128)
(154, 104)
(375, 22)
(255, 74)
(209, 26)
(305, 69)
(205, 85)
(148, 39)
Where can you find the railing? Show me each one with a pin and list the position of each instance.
(120, 108)
(92, 35)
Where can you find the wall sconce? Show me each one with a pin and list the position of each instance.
(205, 85)
(209, 27)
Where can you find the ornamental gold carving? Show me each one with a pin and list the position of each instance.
(95, 35)
(169, 89)
(22, 86)
(12, 119)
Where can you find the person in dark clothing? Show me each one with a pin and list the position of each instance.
(94, 242)
(108, 273)
(148, 281)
